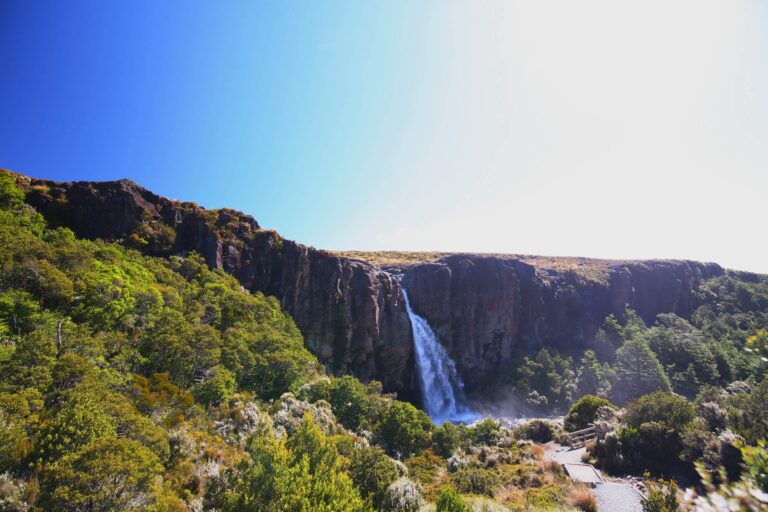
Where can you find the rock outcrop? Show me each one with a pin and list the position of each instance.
(351, 313)
(487, 310)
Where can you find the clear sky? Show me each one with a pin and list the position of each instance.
(592, 128)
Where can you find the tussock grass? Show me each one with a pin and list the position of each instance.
(581, 498)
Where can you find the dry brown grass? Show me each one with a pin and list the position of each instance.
(512, 497)
(589, 269)
(551, 466)
(581, 497)
(393, 258)
(537, 451)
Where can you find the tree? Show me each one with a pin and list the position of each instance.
(131, 424)
(18, 423)
(591, 377)
(628, 325)
(268, 359)
(652, 447)
(547, 379)
(80, 421)
(404, 430)
(116, 292)
(20, 312)
(317, 480)
(218, 387)
(684, 352)
(638, 372)
(445, 439)
(11, 196)
(686, 383)
(633, 324)
(487, 432)
(372, 473)
(186, 350)
(110, 474)
(350, 401)
(301, 474)
(31, 363)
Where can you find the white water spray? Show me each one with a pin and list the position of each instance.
(441, 386)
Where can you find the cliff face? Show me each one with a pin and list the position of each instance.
(351, 313)
(487, 309)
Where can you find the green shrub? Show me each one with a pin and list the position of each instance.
(445, 439)
(668, 409)
(300, 472)
(351, 402)
(487, 432)
(472, 480)
(450, 501)
(404, 430)
(650, 447)
(748, 413)
(756, 463)
(113, 472)
(584, 412)
(545, 497)
(218, 387)
(424, 467)
(538, 431)
(372, 472)
(661, 497)
(658, 435)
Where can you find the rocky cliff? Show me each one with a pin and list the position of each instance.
(350, 312)
(487, 309)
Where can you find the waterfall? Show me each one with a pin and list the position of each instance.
(441, 386)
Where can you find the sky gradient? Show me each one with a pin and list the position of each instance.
(593, 128)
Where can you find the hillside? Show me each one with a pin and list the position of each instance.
(138, 374)
(142, 383)
(491, 311)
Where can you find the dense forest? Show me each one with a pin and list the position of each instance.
(131, 382)
(720, 346)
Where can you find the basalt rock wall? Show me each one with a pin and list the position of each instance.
(351, 313)
(489, 310)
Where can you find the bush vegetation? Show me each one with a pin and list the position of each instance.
(584, 412)
(132, 382)
(136, 382)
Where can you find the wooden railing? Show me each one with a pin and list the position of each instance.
(580, 437)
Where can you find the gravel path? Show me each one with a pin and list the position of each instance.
(613, 497)
(584, 473)
(563, 454)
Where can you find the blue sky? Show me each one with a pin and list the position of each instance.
(596, 128)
